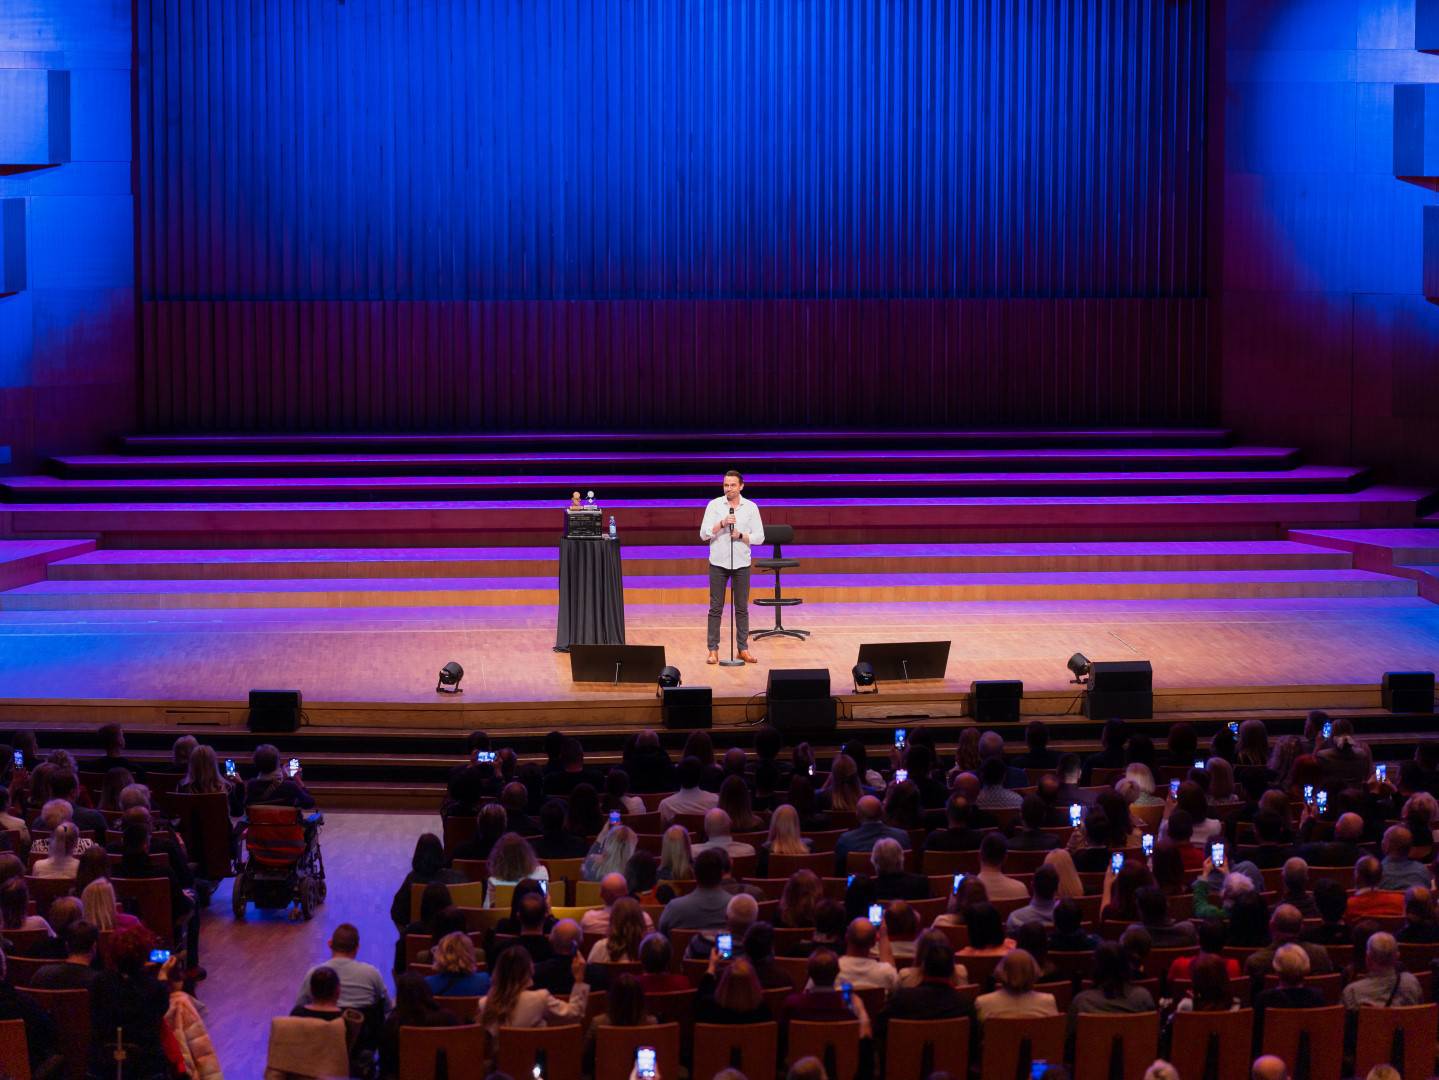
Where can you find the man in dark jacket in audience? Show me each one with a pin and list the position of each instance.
(648, 765)
(959, 834)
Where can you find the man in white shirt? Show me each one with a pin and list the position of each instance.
(690, 798)
(861, 970)
(731, 527)
(992, 851)
(717, 835)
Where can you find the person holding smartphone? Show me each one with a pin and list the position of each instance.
(274, 786)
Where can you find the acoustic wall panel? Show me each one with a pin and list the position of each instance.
(671, 212)
(36, 106)
(12, 246)
(1416, 131)
(1431, 252)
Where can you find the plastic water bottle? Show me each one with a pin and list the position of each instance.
(614, 533)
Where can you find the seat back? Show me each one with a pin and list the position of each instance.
(70, 1010)
(917, 1048)
(980, 968)
(458, 831)
(796, 967)
(472, 869)
(1216, 1043)
(560, 1047)
(45, 891)
(1098, 1037)
(1310, 1041)
(20, 970)
(462, 894)
(204, 822)
(1331, 985)
(462, 1007)
(674, 1007)
(14, 1050)
(1011, 1043)
(1403, 1036)
(778, 535)
(421, 1047)
(750, 1048)
(782, 866)
(304, 1047)
(148, 899)
(835, 1043)
(615, 1049)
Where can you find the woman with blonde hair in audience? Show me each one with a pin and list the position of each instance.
(202, 775)
(784, 833)
(676, 860)
(101, 911)
(1014, 994)
(734, 800)
(842, 790)
(1070, 885)
(61, 862)
(511, 1002)
(1282, 757)
(627, 930)
(611, 852)
(1138, 774)
(512, 861)
(457, 971)
(802, 892)
(116, 781)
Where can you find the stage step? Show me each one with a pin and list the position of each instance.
(692, 589)
(664, 521)
(261, 563)
(1407, 553)
(748, 459)
(770, 485)
(24, 561)
(240, 443)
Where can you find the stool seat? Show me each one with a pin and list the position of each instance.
(776, 564)
(776, 601)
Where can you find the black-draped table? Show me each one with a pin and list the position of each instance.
(592, 593)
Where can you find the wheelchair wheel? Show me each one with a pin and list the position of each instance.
(308, 902)
(238, 898)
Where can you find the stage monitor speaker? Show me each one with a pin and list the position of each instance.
(798, 701)
(274, 711)
(687, 706)
(616, 663)
(1120, 690)
(995, 701)
(1409, 691)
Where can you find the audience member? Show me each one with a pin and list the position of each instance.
(690, 798)
(414, 1007)
(870, 830)
(992, 852)
(1014, 995)
(514, 1002)
(457, 971)
(1370, 899)
(1382, 983)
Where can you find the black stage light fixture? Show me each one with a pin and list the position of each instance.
(1079, 664)
(864, 682)
(669, 677)
(450, 676)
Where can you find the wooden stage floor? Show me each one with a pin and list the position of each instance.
(377, 665)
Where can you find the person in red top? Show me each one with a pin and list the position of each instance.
(1180, 830)
(1211, 943)
(1369, 901)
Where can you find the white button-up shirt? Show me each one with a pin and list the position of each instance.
(747, 521)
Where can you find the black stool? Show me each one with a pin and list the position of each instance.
(778, 535)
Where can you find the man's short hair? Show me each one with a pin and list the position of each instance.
(1046, 882)
(992, 849)
(110, 736)
(1033, 812)
(476, 740)
(345, 939)
(887, 857)
(957, 810)
(134, 795)
(267, 758)
(1069, 767)
(823, 967)
(1291, 962)
(735, 473)
(81, 938)
(324, 984)
(992, 771)
(709, 868)
(1368, 872)
(689, 772)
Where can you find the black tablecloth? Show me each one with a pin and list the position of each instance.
(592, 594)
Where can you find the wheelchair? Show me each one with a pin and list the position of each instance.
(282, 864)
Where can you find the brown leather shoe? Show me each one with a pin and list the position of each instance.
(712, 658)
(748, 657)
